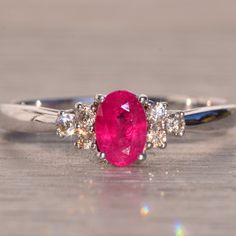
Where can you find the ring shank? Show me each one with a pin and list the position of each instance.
(174, 102)
(34, 116)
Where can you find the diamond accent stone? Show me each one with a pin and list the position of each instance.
(84, 118)
(65, 124)
(157, 111)
(157, 138)
(120, 126)
(156, 114)
(175, 124)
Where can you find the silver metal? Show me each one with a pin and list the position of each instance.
(165, 104)
(99, 98)
(211, 115)
(163, 145)
(101, 155)
(94, 107)
(78, 105)
(142, 157)
(149, 145)
(143, 99)
(94, 146)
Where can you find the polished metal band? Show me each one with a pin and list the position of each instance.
(34, 116)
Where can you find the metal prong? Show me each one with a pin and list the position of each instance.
(149, 104)
(163, 145)
(143, 99)
(61, 113)
(149, 145)
(181, 133)
(99, 98)
(91, 128)
(181, 114)
(142, 157)
(78, 105)
(94, 146)
(101, 155)
(94, 107)
(165, 104)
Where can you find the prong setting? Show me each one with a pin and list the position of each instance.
(101, 156)
(99, 98)
(80, 123)
(94, 146)
(142, 157)
(163, 145)
(94, 107)
(143, 99)
(149, 145)
(78, 106)
(165, 104)
(61, 113)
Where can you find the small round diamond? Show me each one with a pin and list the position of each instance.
(65, 125)
(157, 138)
(175, 124)
(172, 125)
(156, 133)
(157, 111)
(85, 119)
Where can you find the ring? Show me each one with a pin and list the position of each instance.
(121, 126)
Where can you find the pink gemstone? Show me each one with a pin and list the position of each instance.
(121, 128)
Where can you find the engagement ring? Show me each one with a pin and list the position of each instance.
(121, 126)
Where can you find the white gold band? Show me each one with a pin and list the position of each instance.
(40, 115)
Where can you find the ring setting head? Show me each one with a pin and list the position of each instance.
(121, 126)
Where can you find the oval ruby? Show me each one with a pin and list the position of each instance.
(121, 128)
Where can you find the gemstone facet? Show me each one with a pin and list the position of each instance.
(121, 128)
(85, 119)
(65, 125)
(175, 124)
(156, 113)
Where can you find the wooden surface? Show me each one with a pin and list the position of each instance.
(65, 47)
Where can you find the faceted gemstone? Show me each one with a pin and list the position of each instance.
(65, 125)
(85, 139)
(175, 124)
(157, 111)
(85, 119)
(121, 128)
(157, 137)
(85, 116)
